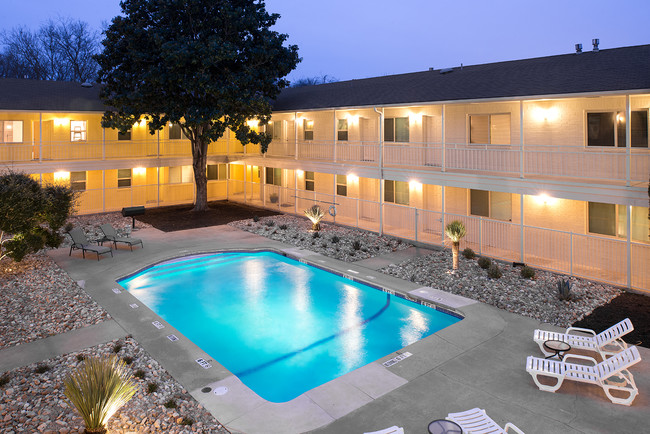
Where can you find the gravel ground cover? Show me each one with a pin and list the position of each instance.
(39, 299)
(339, 242)
(32, 398)
(536, 298)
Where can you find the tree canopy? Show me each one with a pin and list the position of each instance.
(31, 215)
(312, 81)
(60, 50)
(207, 65)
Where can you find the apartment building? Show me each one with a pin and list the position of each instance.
(545, 160)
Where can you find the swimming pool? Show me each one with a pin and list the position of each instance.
(281, 326)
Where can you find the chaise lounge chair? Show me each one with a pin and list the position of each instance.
(606, 343)
(610, 374)
(110, 234)
(390, 430)
(80, 242)
(477, 421)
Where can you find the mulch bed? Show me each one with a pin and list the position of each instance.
(627, 305)
(181, 217)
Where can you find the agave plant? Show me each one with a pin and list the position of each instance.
(455, 231)
(98, 389)
(315, 214)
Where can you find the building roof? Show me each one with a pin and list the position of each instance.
(618, 69)
(43, 95)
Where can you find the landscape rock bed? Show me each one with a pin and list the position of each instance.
(298, 233)
(536, 298)
(34, 402)
(39, 300)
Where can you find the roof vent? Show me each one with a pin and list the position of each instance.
(446, 70)
(595, 41)
(431, 68)
(86, 84)
(578, 48)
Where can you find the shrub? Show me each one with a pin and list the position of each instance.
(80, 357)
(32, 214)
(41, 368)
(335, 239)
(283, 227)
(315, 214)
(128, 360)
(98, 388)
(494, 272)
(187, 421)
(152, 387)
(4, 379)
(455, 231)
(256, 218)
(117, 348)
(269, 223)
(527, 272)
(273, 197)
(315, 235)
(324, 244)
(564, 289)
(469, 253)
(139, 374)
(356, 245)
(484, 262)
(171, 403)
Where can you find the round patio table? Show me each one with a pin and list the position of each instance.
(444, 426)
(558, 347)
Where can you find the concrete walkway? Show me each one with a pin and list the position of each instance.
(477, 362)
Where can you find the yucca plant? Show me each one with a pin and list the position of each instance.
(98, 388)
(315, 214)
(455, 231)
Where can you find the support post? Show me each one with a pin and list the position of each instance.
(521, 231)
(335, 136)
(628, 227)
(628, 140)
(442, 218)
(521, 142)
(443, 138)
(40, 138)
(295, 134)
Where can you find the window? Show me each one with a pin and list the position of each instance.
(341, 185)
(175, 132)
(309, 181)
(342, 130)
(123, 178)
(308, 127)
(180, 174)
(492, 204)
(608, 129)
(611, 219)
(78, 181)
(77, 131)
(273, 176)
(217, 172)
(11, 131)
(396, 130)
(489, 129)
(125, 136)
(274, 129)
(396, 192)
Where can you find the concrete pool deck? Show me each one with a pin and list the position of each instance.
(477, 362)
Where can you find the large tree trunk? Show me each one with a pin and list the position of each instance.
(199, 164)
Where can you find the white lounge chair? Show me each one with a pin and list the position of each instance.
(606, 343)
(477, 421)
(391, 430)
(610, 374)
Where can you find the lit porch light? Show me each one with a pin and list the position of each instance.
(59, 122)
(545, 114)
(61, 176)
(415, 185)
(140, 171)
(620, 117)
(252, 123)
(352, 178)
(545, 199)
(415, 118)
(300, 172)
(352, 119)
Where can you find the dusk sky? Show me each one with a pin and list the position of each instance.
(358, 39)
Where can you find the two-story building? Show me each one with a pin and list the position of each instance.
(545, 160)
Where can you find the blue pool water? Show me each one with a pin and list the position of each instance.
(282, 327)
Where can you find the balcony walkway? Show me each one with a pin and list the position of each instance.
(477, 362)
